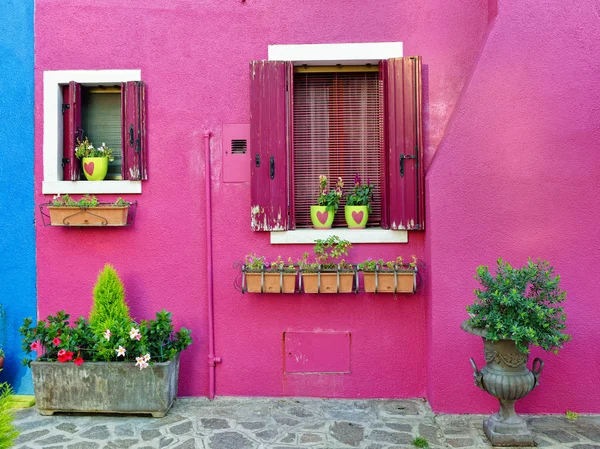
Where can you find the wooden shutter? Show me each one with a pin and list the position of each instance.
(338, 121)
(269, 87)
(71, 130)
(133, 115)
(404, 143)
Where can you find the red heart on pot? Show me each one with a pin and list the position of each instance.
(89, 168)
(357, 216)
(322, 217)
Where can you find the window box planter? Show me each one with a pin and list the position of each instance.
(329, 281)
(105, 387)
(389, 281)
(105, 214)
(270, 282)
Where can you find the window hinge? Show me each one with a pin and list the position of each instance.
(65, 161)
(65, 106)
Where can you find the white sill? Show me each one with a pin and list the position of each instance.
(97, 187)
(369, 235)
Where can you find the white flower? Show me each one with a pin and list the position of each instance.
(101, 149)
(107, 334)
(103, 144)
(146, 357)
(120, 351)
(90, 147)
(133, 333)
(141, 362)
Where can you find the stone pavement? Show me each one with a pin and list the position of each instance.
(260, 423)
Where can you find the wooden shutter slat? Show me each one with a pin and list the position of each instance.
(268, 139)
(71, 130)
(404, 141)
(337, 132)
(133, 113)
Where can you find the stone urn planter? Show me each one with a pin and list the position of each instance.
(105, 387)
(506, 377)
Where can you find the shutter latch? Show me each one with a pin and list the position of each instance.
(402, 157)
(65, 161)
(272, 167)
(65, 106)
(257, 160)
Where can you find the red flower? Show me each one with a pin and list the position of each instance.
(56, 341)
(36, 346)
(64, 356)
(78, 361)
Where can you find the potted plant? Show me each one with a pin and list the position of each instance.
(514, 309)
(328, 273)
(264, 277)
(87, 211)
(328, 203)
(109, 364)
(393, 276)
(94, 161)
(358, 204)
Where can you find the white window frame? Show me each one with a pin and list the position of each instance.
(53, 182)
(330, 54)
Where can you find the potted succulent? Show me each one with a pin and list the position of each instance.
(328, 273)
(393, 276)
(514, 309)
(358, 204)
(92, 366)
(328, 203)
(94, 161)
(264, 277)
(87, 211)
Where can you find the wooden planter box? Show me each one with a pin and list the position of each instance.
(273, 283)
(105, 387)
(91, 216)
(405, 282)
(329, 280)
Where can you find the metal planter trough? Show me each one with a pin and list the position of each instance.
(105, 387)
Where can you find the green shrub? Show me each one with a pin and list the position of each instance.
(8, 432)
(109, 309)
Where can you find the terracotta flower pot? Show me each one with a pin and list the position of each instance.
(91, 216)
(310, 283)
(356, 216)
(273, 283)
(404, 282)
(321, 217)
(94, 168)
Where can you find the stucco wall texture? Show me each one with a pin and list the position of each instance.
(17, 236)
(194, 58)
(517, 175)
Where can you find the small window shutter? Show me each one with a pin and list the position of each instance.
(71, 130)
(269, 109)
(404, 142)
(133, 115)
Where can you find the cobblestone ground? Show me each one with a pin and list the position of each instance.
(256, 423)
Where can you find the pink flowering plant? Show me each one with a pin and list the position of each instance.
(361, 194)
(330, 198)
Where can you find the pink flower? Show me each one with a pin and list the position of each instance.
(56, 341)
(78, 361)
(36, 346)
(61, 352)
(138, 337)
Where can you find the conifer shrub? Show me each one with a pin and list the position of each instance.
(8, 432)
(109, 309)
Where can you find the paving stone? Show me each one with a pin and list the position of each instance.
(165, 441)
(96, 433)
(289, 438)
(460, 442)
(591, 434)
(25, 437)
(183, 428)
(586, 446)
(25, 426)
(124, 430)
(189, 444)
(541, 442)
(52, 440)
(215, 423)
(561, 436)
(150, 434)
(430, 433)
(67, 427)
(253, 425)
(316, 426)
(375, 446)
(84, 445)
(300, 412)
(401, 408)
(399, 427)
(390, 437)
(121, 444)
(310, 438)
(267, 434)
(347, 433)
(285, 420)
(230, 440)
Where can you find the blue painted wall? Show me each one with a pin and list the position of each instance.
(17, 236)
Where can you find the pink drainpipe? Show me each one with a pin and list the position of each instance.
(212, 360)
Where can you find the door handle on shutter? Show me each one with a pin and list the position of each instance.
(272, 167)
(131, 135)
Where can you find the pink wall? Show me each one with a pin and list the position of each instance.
(517, 175)
(194, 58)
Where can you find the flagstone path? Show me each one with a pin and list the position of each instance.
(287, 423)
